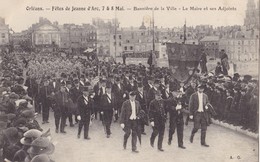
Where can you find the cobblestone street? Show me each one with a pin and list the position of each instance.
(225, 145)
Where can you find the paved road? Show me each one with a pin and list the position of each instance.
(225, 146)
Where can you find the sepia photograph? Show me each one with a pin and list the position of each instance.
(129, 81)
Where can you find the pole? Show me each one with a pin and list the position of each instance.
(153, 33)
(115, 35)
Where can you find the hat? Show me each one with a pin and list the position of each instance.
(13, 96)
(41, 145)
(117, 79)
(68, 82)
(202, 86)
(158, 93)
(85, 88)
(28, 114)
(76, 81)
(30, 136)
(139, 85)
(2, 108)
(62, 83)
(108, 85)
(243, 90)
(132, 93)
(41, 158)
(157, 81)
(247, 78)
(20, 122)
(12, 134)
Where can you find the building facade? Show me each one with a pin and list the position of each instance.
(4, 35)
(211, 46)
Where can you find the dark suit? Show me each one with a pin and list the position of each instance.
(75, 92)
(61, 109)
(119, 99)
(85, 109)
(176, 120)
(150, 95)
(158, 116)
(45, 100)
(107, 105)
(141, 98)
(130, 125)
(200, 118)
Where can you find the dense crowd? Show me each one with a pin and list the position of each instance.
(80, 90)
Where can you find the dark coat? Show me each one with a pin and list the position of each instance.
(126, 111)
(85, 110)
(157, 112)
(194, 102)
(106, 103)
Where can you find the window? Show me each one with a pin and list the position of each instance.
(119, 36)
(120, 44)
(114, 43)
(125, 48)
(131, 47)
(3, 35)
(114, 37)
(127, 41)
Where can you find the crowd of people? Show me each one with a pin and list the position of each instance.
(79, 91)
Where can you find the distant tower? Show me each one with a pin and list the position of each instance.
(252, 15)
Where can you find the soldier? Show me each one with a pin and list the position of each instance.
(157, 119)
(128, 120)
(176, 108)
(107, 108)
(85, 111)
(198, 106)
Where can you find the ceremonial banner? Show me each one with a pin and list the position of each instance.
(183, 60)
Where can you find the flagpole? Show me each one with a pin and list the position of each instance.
(184, 37)
(153, 32)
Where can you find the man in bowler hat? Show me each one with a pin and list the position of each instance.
(198, 106)
(128, 120)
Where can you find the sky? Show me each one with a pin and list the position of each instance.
(18, 18)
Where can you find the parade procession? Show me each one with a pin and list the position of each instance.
(170, 89)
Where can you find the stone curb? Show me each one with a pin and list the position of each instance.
(236, 128)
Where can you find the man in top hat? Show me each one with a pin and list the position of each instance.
(72, 107)
(45, 100)
(140, 96)
(107, 108)
(119, 92)
(128, 120)
(61, 108)
(152, 91)
(75, 92)
(157, 117)
(85, 111)
(197, 106)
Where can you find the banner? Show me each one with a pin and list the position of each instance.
(183, 60)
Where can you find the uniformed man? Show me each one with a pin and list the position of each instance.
(157, 119)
